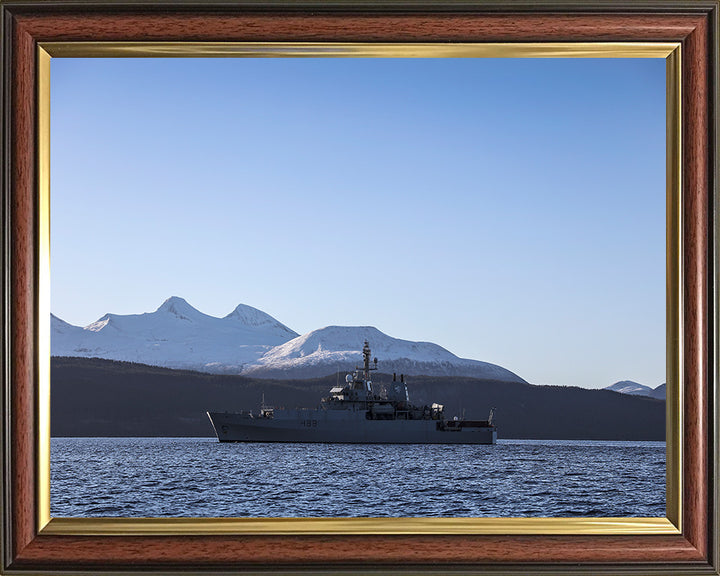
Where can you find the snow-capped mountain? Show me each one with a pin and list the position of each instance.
(249, 341)
(338, 348)
(176, 335)
(630, 387)
(635, 389)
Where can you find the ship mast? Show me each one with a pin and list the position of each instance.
(366, 361)
(363, 383)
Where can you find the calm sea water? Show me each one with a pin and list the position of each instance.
(135, 477)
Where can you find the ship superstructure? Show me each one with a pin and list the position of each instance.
(357, 411)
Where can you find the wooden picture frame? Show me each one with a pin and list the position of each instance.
(686, 544)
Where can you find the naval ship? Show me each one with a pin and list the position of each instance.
(356, 413)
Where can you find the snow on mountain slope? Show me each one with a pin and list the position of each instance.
(176, 335)
(62, 328)
(630, 387)
(338, 348)
(635, 389)
(249, 341)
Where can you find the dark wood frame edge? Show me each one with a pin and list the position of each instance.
(25, 23)
(370, 6)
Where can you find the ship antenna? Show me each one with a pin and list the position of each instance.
(366, 359)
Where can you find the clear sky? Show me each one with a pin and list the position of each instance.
(512, 211)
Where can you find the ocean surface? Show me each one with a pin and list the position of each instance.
(166, 477)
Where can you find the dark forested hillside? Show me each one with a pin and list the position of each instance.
(94, 397)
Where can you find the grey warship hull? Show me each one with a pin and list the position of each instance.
(346, 426)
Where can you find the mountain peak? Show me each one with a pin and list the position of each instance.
(250, 316)
(178, 307)
(244, 311)
(326, 350)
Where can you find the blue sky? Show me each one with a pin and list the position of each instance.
(511, 210)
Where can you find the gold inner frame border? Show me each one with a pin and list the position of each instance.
(671, 524)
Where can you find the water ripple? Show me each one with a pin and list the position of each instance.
(171, 477)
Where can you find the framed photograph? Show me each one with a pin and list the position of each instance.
(414, 42)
